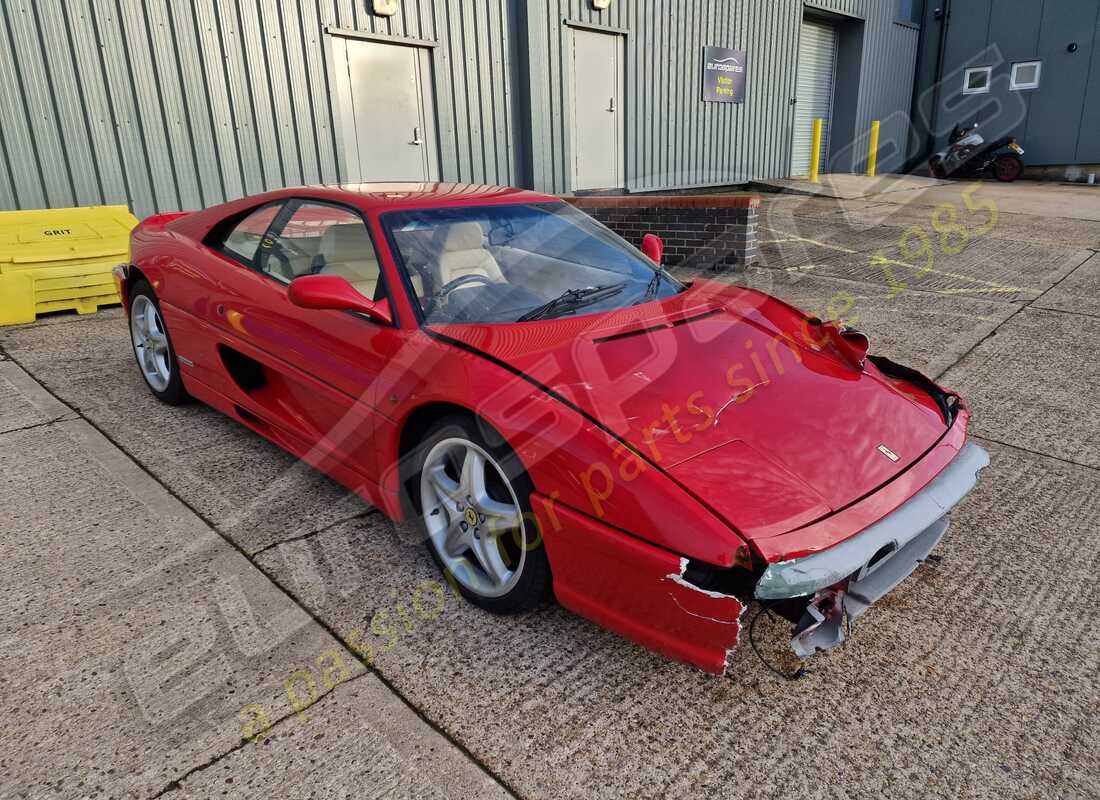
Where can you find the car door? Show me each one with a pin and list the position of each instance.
(306, 373)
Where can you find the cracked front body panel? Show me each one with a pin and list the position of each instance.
(636, 589)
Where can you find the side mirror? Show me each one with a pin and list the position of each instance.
(334, 293)
(653, 247)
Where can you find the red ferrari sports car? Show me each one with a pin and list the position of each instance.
(560, 414)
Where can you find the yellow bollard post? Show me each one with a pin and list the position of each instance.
(872, 157)
(815, 152)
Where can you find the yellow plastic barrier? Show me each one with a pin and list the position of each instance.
(60, 258)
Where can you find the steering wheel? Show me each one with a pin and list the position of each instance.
(461, 280)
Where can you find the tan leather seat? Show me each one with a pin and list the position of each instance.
(348, 252)
(462, 252)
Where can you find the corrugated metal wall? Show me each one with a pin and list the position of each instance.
(673, 138)
(179, 104)
(1059, 121)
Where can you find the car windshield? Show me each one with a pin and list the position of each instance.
(517, 263)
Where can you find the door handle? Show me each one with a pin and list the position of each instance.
(416, 136)
(611, 108)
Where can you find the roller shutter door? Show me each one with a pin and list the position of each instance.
(814, 93)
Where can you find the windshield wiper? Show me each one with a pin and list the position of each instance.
(651, 288)
(572, 299)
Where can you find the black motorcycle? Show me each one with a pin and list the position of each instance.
(968, 156)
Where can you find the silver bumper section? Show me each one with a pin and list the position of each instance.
(883, 555)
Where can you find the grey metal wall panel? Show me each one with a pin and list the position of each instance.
(1088, 135)
(71, 120)
(1056, 108)
(1056, 122)
(169, 104)
(674, 140)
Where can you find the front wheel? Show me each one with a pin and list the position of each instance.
(1007, 167)
(474, 502)
(156, 358)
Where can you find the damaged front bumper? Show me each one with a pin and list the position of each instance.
(847, 578)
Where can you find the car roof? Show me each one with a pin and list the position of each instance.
(382, 196)
(368, 197)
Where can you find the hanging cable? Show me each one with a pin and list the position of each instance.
(789, 676)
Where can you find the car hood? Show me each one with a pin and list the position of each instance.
(732, 395)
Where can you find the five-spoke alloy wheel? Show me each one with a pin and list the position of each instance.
(153, 347)
(473, 498)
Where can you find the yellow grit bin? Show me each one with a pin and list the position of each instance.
(60, 259)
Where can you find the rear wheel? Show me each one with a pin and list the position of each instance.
(156, 358)
(1007, 167)
(474, 502)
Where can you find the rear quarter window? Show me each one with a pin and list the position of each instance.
(243, 240)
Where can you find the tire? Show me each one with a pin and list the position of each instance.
(153, 350)
(480, 533)
(1007, 167)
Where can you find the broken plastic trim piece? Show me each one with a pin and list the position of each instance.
(805, 576)
(822, 625)
(869, 585)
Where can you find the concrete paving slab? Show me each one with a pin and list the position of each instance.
(926, 331)
(846, 186)
(17, 415)
(803, 240)
(1017, 227)
(67, 316)
(1078, 293)
(782, 208)
(1006, 270)
(1031, 198)
(358, 741)
(246, 486)
(131, 632)
(139, 647)
(1034, 383)
(978, 676)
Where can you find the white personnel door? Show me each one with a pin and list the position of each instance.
(387, 119)
(596, 90)
(814, 93)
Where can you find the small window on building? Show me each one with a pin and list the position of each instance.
(909, 11)
(1025, 75)
(976, 80)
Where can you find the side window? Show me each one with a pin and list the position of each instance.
(244, 240)
(320, 239)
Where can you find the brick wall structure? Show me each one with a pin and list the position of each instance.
(713, 231)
